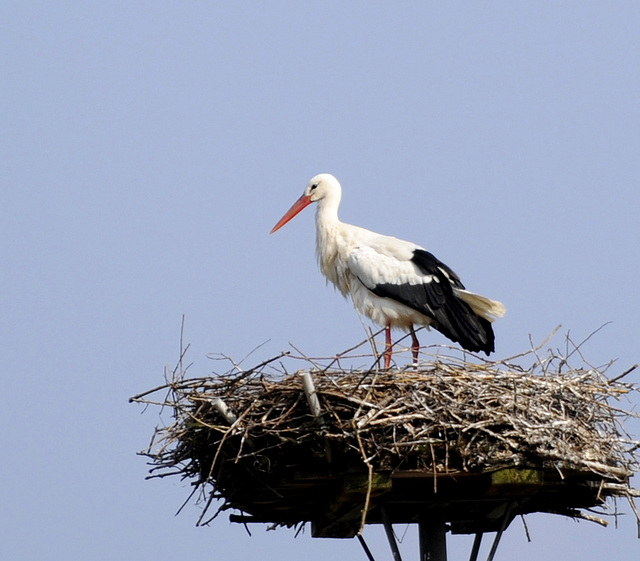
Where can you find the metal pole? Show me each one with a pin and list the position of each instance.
(364, 545)
(433, 541)
(506, 519)
(476, 547)
(388, 528)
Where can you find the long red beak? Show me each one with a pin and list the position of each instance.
(301, 203)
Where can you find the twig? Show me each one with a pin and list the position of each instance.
(620, 376)
(367, 499)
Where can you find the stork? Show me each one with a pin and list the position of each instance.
(393, 282)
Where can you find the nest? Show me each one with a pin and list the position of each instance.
(342, 446)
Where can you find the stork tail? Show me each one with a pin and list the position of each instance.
(481, 305)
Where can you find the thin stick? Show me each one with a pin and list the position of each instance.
(367, 498)
(259, 367)
(619, 377)
(526, 528)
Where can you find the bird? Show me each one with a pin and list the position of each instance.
(394, 283)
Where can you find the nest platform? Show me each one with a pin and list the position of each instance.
(468, 443)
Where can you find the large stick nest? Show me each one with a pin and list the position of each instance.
(253, 439)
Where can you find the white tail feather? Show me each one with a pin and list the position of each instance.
(481, 305)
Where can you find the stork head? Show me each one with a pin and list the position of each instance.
(321, 186)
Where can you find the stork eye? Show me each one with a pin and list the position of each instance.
(314, 186)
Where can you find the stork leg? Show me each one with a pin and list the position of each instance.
(387, 346)
(415, 345)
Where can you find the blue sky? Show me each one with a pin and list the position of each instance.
(149, 147)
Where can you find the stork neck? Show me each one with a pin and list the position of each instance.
(327, 211)
(328, 240)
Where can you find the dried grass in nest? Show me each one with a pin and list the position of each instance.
(233, 433)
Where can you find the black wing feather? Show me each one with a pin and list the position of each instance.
(436, 299)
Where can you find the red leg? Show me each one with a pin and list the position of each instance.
(415, 346)
(387, 346)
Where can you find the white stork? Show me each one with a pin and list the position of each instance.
(393, 282)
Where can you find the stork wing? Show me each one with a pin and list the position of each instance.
(419, 281)
(425, 284)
